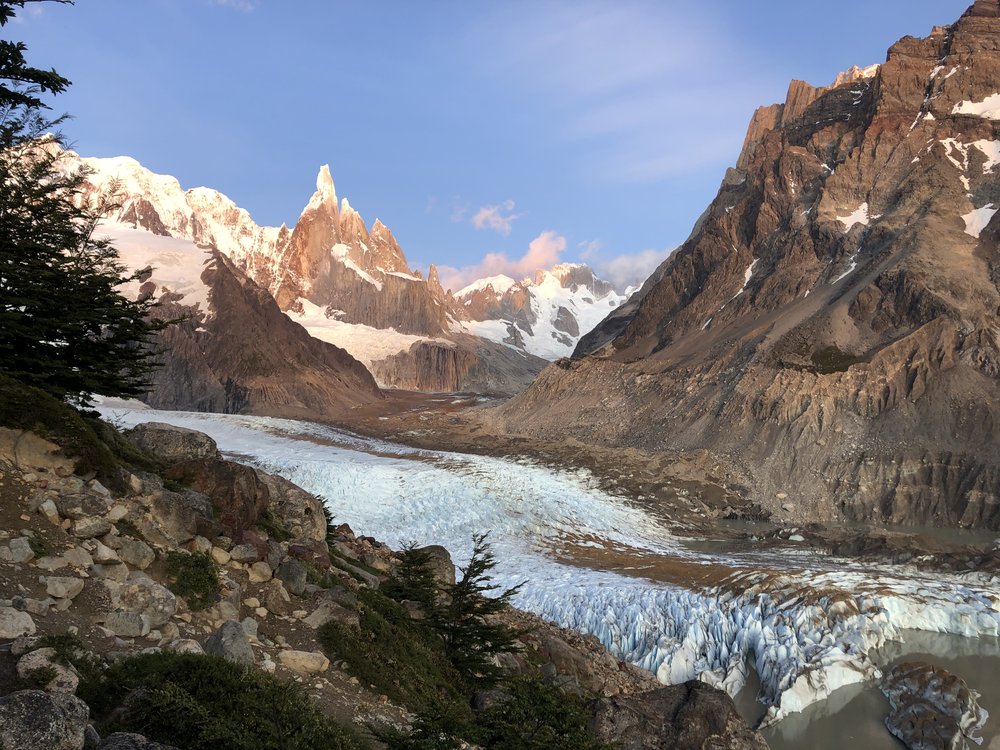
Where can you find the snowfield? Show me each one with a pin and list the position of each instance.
(804, 621)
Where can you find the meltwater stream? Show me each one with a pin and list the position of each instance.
(806, 624)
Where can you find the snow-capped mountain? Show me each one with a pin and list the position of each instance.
(545, 316)
(348, 285)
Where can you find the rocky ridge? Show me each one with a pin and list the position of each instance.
(351, 285)
(78, 558)
(230, 348)
(829, 330)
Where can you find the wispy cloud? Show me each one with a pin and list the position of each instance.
(542, 252)
(624, 270)
(499, 218)
(246, 6)
(618, 78)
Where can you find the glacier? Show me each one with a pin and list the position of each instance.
(602, 564)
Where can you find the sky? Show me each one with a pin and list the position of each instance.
(491, 137)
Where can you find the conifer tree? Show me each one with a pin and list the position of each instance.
(467, 621)
(64, 327)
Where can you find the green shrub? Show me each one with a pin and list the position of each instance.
(271, 525)
(193, 576)
(534, 716)
(402, 658)
(200, 702)
(38, 678)
(39, 545)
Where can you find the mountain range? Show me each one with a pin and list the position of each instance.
(347, 284)
(830, 329)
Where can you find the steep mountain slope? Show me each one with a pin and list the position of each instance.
(830, 329)
(544, 316)
(234, 351)
(346, 284)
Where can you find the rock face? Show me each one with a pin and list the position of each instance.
(692, 716)
(31, 719)
(829, 330)
(246, 357)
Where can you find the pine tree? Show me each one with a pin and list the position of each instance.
(64, 327)
(467, 621)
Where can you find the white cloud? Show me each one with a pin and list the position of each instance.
(628, 269)
(498, 218)
(246, 6)
(543, 252)
(625, 80)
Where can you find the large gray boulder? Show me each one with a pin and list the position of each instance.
(440, 563)
(143, 596)
(230, 642)
(32, 720)
(692, 716)
(173, 443)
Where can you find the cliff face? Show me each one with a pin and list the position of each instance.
(233, 350)
(830, 329)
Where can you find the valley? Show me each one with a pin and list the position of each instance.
(808, 624)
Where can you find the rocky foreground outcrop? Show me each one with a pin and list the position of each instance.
(830, 329)
(77, 558)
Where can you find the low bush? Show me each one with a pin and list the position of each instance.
(200, 702)
(400, 657)
(193, 576)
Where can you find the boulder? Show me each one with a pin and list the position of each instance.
(245, 553)
(236, 491)
(142, 595)
(63, 587)
(184, 646)
(32, 720)
(260, 572)
(230, 642)
(18, 551)
(330, 610)
(65, 679)
(90, 527)
(300, 513)
(126, 624)
(303, 662)
(276, 599)
(136, 553)
(181, 516)
(128, 741)
(294, 574)
(14, 624)
(81, 505)
(691, 716)
(172, 443)
(29, 452)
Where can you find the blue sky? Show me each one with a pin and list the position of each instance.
(490, 137)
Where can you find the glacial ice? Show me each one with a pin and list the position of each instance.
(804, 621)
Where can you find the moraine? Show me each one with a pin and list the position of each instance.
(800, 624)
